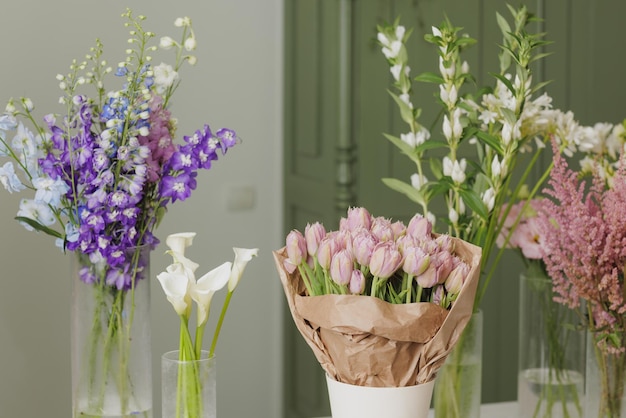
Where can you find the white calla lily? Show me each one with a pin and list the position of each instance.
(178, 242)
(203, 290)
(242, 257)
(181, 259)
(176, 284)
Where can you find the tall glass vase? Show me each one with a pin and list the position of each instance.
(111, 360)
(551, 352)
(457, 391)
(605, 396)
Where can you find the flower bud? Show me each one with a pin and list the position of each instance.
(363, 244)
(358, 218)
(416, 261)
(166, 42)
(455, 280)
(386, 259)
(190, 43)
(296, 247)
(325, 251)
(341, 267)
(357, 282)
(381, 229)
(313, 234)
(419, 227)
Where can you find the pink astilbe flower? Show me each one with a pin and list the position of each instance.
(585, 243)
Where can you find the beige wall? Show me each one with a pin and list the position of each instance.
(236, 83)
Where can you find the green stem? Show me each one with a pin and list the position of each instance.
(219, 323)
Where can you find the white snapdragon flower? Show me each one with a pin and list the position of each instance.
(446, 72)
(164, 77)
(396, 70)
(489, 198)
(496, 167)
(418, 181)
(406, 99)
(453, 216)
(458, 171)
(392, 50)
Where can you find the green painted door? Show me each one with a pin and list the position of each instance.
(337, 109)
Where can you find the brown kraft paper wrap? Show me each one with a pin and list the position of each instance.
(365, 341)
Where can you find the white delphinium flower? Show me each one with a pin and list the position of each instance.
(9, 178)
(36, 211)
(50, 190)
(164, 77)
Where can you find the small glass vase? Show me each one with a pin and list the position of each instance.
(457, 391)
(605, 381)
(551, 362)
(111, 361)
(188, 388)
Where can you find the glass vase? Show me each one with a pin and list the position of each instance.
(188, 388)
(551, 362)
(111, 360)
(457, 392)
(604, 383)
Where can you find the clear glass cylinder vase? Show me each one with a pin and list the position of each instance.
(457, 392)
(605, 381)
(188, 388)
(551, 362)
(111, 347)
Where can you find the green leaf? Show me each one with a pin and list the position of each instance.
(407, 190)
(474, 202)
(39, 227)
(405, 148)
(505, 81)
(406, 113)
(503, 24)
(429, 77)
(492, 141)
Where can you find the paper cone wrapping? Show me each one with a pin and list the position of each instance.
(365, 341)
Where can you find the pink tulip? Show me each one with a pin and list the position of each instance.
(357, 282)
(363, 244)
(444, 262)
(386, 259)
(428, 278)
(341, 267)
(398, 229)
(296, 250)
(325, 251)
(438, 295)
(313, 234)
(381, 229)
(416, 261)
(419, 227)
(446, 243)
(357, 218)
(455, 280)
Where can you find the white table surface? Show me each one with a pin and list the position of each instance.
(491, 410)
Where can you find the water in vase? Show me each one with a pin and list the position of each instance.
(545, 395)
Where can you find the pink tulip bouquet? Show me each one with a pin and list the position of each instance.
(406, 292)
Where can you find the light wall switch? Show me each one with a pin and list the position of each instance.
(241, 198)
